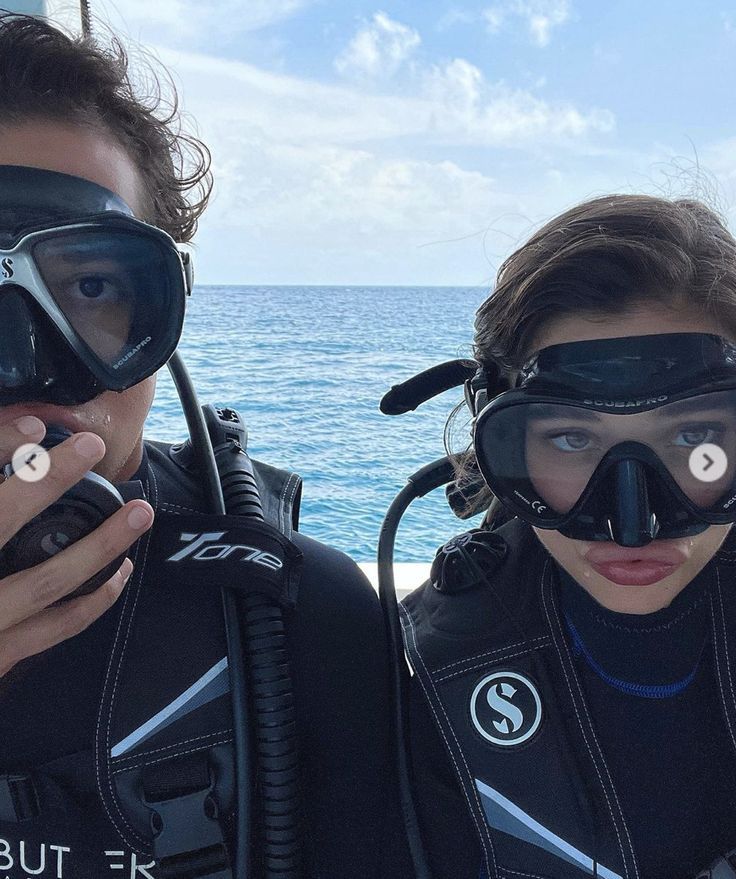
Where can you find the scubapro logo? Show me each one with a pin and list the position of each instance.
(8, 270)
(627, 404)
(202, 548)
(505, 708)
(131, 353)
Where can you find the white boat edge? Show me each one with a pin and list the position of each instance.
(407, 575)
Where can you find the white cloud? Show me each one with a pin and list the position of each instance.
(540, 17)
(378, 49)
(455, 16)
(321, 183)
(495, 114)
(334, 186)
(285, 107)
(452, 104)
(192, 22)
(606, 54)
(457, 87)
(320, 205)
(494, 17)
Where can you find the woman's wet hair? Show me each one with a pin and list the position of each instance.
(47, 75)
(602, 258)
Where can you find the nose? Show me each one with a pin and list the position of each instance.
(633, 523)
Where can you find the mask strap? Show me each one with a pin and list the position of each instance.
(485, 385)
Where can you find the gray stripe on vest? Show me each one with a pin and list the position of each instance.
(507, 817)
(212, 684)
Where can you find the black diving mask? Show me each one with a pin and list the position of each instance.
(91, 298)
(626, 439)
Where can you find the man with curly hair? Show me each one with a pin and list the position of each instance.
(115, 722)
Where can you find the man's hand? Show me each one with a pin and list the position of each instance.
(27, 624)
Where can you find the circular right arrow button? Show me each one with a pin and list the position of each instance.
(708, 462)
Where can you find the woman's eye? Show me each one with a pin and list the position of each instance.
(570, 441)
(697, 434)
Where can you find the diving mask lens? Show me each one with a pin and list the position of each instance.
(542, 456)
(115, 290)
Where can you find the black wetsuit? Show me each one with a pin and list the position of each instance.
(652, 690)
(49, 708)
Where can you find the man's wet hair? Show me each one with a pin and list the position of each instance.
(46, 74)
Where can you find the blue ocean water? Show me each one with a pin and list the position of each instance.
(307, 367)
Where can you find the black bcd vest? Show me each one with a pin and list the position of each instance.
(164, 759)
(498, 676)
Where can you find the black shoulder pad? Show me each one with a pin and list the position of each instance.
(280, 490)
(467, 560)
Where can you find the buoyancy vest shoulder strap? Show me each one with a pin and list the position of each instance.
(494, 667)
(168, 758)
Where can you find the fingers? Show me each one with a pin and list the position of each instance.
(21, 499)
(14, 434)
(31, 619)
(30, 591)
(57, 624)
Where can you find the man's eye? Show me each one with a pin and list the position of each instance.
(92, 287)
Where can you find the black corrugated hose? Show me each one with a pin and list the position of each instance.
(275, 739)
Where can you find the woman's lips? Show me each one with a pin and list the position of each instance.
(631, 566)
(642, 573)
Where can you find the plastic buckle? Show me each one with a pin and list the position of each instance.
(469, 395)
(18, 802)
(187, 264)
(476, 392)
(187, 832)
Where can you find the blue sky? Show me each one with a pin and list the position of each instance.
(400, 142)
